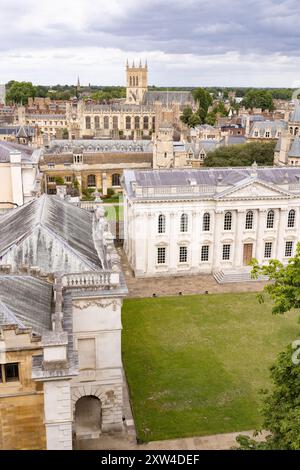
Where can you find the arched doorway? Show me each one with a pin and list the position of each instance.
(88, 417)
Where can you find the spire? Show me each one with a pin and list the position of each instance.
(133, 64)
(140, 65)
(78, 82)
(146, 64)
(127, 64)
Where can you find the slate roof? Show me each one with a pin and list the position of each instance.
(25, 301)
(295, 148)
(109, 146)
(7, 147)
(209, 177)
(168, 97)
(66, 224)
(19, 131)
(295, 116)
(272, 126)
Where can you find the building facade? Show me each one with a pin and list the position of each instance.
(287, 150)
(183, 222)
(97, 164)
(19, 174)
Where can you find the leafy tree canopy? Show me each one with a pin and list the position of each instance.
(241, 155)
(258, 99)
(19, 92)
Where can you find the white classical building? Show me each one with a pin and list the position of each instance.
(182, 222)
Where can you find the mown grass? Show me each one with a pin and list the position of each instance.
(195, 364)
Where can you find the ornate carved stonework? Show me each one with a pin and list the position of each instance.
(99, 303)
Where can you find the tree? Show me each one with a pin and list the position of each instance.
(281, 406)
(241, 155)
(19, 92)
(204, 101)
(186, 115)
(258, 99)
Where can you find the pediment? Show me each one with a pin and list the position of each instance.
(255, 190)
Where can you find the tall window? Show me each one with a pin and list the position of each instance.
(137, 122)
(153, 123)
(291, 218)
(226, 252)
(146, 122)
(270, 219)
(128, 122)
(91, 181)
(161, 223)
(288, 249)
(106, 122)
(268, 250)
(182, 254)
(161, 255)
(204, 252)
(184, 223)
(206, 222)
(115, 122)
(249, 220)
(9, 372)
(115, 179)
(87, 122)
(97, 122)
(227, 221)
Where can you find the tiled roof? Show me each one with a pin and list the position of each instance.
(7, 147)
(295, 148)
(26, 302)
(110, 146)
(27, 231)
(168, 97)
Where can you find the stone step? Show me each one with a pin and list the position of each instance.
(226, 276)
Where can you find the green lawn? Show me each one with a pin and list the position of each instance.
(195, 364)
(114, 212)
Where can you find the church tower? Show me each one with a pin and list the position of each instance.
(136, 83)
(163, 153)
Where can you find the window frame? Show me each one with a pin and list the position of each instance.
(268, 248)
(161, 224)
(227, 221)
(183, 254)
(159, 257)
(206, 222)
(226, 246)
(204, 248)
(270, 219)
(291, 218)
(249, 220)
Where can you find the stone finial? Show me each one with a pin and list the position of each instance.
(254, 167)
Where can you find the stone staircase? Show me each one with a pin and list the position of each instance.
(236, 275)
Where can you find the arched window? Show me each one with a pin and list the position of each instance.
(291, 218)
(161, 223)
(87, 122)
(128, 122)
(115, 179)
(249, 220)
(270, 219)
(184, 223)
(227, 221)
(137, 81)
(91, 181)
(153, 123)
(115, 122)
(137, 122)
(130, 81)
(206, 222)
(97, 122)
(146, 122)
(106, 122)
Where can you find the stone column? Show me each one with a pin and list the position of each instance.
(172, 244)
(104, 184)
(238, 245)
(194, 246)
(215, 259)
(279, 244)
(261, 223)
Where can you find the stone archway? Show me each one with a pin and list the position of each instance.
(88, 417)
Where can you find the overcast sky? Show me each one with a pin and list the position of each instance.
(186, 42)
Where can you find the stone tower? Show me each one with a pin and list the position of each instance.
(163, 155)
(287, 150)
(136, 83)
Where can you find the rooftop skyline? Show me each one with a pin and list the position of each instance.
(191, 43)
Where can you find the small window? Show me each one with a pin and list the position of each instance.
(182, 254)
(161, 255)
(270, 219)
(87, 122)
(161, 223)
(183, 223)
(288, 249)
(204, 253)
(11, 372)
(226, 252)
(91, 181)
(227, 221)
(268, 249)
(115, 179)
(206, 222)
(291, 218)
(249, 220)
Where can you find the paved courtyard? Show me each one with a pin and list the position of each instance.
(188, 285)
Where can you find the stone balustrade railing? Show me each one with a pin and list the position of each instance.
(98, 279)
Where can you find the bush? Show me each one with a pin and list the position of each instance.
(59, 180)
(110, 192)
